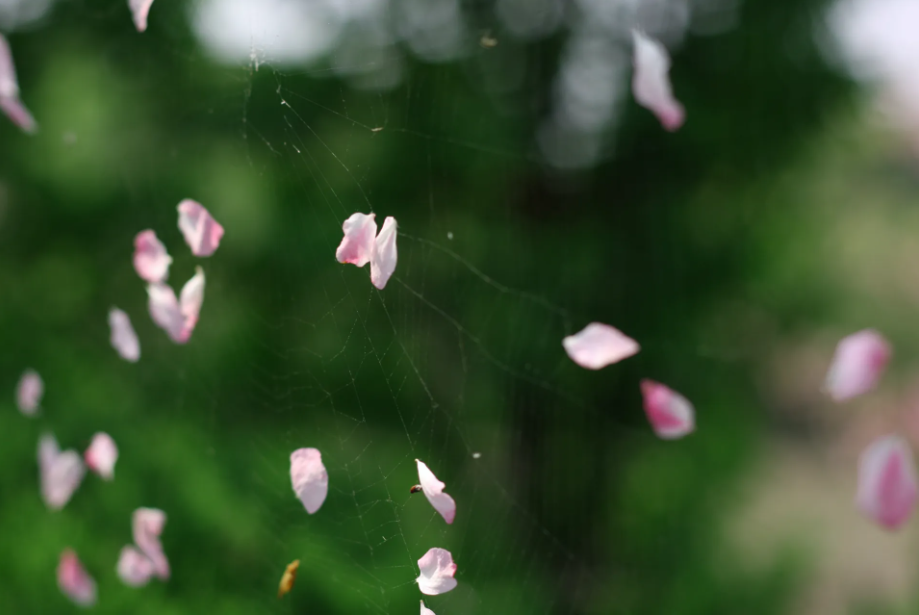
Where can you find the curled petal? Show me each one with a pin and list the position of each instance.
(651, 83)
(437, 570)
(425, 610)
(384, 256)
(29, 392)
(147, 525)
(101, 456)
(599, 345)
(356, 246)
(123, 338)
(9, 91)
(165, 311)
(151, 261)
(139, 11)
(202, 233)
(434, 491)
(60, 473)
(74, 581)
(887, 488)
(670, 414)
(858, 364)
(309, 478)
(134, 568)
(190, 301)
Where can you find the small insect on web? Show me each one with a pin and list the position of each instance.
(288, 578)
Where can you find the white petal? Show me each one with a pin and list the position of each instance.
(309, 478)
(9, 91)
(147, 525)
(425, 610)
(151, 260)
(60, 473)
(139, 10)
(165, 311)
(357, 244)
(384, 255)
(437, 570)
(74, 581)
(123, 337)
(887, 486)
(190, 302)
(599, 345)
(134, 568)
(858, 364)
(433, 490)
(29, 392)
(202, 233)
(101, 456)
(670, 414)
(651, 83)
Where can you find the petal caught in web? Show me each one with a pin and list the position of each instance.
(74, 581)
(101, 455)
(434, 491)
(599, 345)
(357, 244)
(123, 337)
(437, 570)
(309, 478)
(651, 83)
(177, 317)
(425, 610)
(139, 11)
(147, 525)
(60, 473)
(29, 392)
(384, 255)
(10, 104)
(202, 233)
(151, 261)
(134, 568)
(858, 363)
(887, 487)
(670, 414)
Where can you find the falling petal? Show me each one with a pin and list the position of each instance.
(425, 610)
(147, 525)
(288, 578)
(599, 345)
(309, 478)
(101, 456)
(651, 83)
(356, 246)
(437, 570)
(139, 10)
(123, 338)
(74, 581)
(887, 488)
(190, 302)
(383, 256)
(60, 473)
(151, 261)
(18, 114)
(9, 91)
(134, 568)
(165, 311)
(202, 233)
(29, 392)
(858, 364)
(434, 491)
(670, 414)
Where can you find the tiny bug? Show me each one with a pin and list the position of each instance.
(288, 578)
(415, 489)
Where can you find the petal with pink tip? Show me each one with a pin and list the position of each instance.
(151, 261)
(670, 414)
(356, 246)
(434, 491)
(60, 472)
(384, 256)
(437, 570)
(202, 233)
(651, 83)
(425, 610)
(9, 91)
(123, 337)
(599, 345)
(190, 301)
(101, 455)
(134, 568)
(29, 392)
(165, 311)
(18, 114)
(309, 478)
(887, 486)
(139, 11)
(858, 364)
(74, 581)
(147, 525)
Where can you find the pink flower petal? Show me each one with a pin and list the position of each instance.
(599, 345)
(671, 415)
(74, 581)
(29, 392)
(9, 91)
(165, 311)
(858, 364)
(887, 488)
(60, 473)
(139, 10)
(357, 244)
(202, 233)
(101, 456)
(147, 524)
(425, 610)
(134, 568)
(123, 338)
(437, 570)
(309, 478)
(190, 301)
(151, 261)
(384, 256)
(18, 114)
(433, 490)
(651, 84)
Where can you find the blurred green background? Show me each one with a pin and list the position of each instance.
(758, 233)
